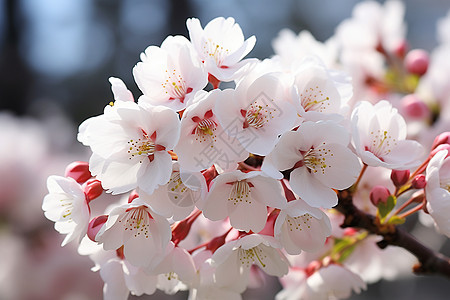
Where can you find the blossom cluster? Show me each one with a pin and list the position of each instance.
(216, 185)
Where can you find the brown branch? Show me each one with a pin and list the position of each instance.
(430, 262)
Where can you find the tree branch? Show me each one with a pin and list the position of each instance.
(430, 262)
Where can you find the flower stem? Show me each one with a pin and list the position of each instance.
(412, 210)
(411, 200)
(363, 170)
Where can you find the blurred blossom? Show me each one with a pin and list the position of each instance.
(31, 150)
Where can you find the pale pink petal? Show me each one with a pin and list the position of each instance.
(248, 216)
(311, 190)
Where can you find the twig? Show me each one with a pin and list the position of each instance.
(430, 262)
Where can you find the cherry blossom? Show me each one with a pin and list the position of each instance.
(130, 145)
(243, 197)
(170, 75)
(66, 205)
(330, 282)
(336, 281)
(207, 288)
(374, 25)
(143, 234)
(234, 259)
(120, 277)
(256, 113)
(176, 270)
(321, 161)
(320, 91)
(438, 191)
(379, 135)
(372, 263)
(221, 46)
(178, 197)
(291, 47)
(203, 141)
(301, 227)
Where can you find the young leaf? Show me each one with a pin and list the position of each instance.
(385, 208)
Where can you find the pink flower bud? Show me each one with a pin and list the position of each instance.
(401, 48)
(414, 108)
(92, 189)
(399, 178)
(419, 182)
(416, 61)
(443, 138)
(379, 194)
(350, 231)
(78, 170)
(94, 226)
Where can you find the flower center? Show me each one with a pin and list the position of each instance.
(240, 191)
(211, 49)
(257, 115)
(315, 160)
(313, 99)
(248, 256)
(178, 193)
(381, 143)
(175, 86)
(205, 129)
(144, 146)
(137, 220)
(298, 222)
(445, 184)
(67, 204)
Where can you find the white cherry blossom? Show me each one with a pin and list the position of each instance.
(130, 144)
(321, 92)
(438, 191)
(372, 263)
(221, 46)
(379, 136)
(122, 96)
(170, 75)
(203, 141)
(122, 278)
(234, 260)
(291, 48)
(176, 270)
(321, 161)
(119, 276)
(206, 288)
(330, 282)
(243, 197)
(301, 227)
(257, 112)
(335, 281)
(178, 197)
(143, 234)
(373, 25)
(66, 205)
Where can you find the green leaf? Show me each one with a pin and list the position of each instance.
(385, 208)
(396, 220)
(343, 248)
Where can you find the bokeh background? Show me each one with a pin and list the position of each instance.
(55, 60)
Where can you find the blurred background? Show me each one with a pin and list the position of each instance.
(55, 59)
